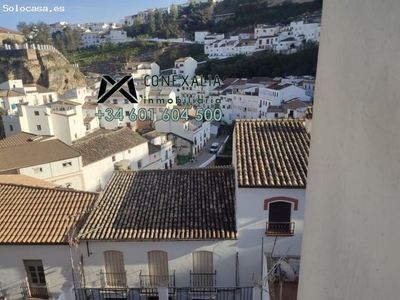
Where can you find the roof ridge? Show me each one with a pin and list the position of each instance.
(47, 188)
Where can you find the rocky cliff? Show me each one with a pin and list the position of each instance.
(45, 68)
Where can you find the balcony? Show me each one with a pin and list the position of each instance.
(30, 292)
(115, 280)
(279, 228)
(202, 282)
(154, 281)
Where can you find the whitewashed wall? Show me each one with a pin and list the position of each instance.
(179, 259)
(56, 263)
(251, 224)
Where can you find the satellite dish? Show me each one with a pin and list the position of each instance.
(287, 270)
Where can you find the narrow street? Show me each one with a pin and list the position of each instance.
(204, 155)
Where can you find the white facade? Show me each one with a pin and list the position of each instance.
(261, 30)
(185, 67)
(252, 218)
(61, 119)
(196, 132)
(94, 38)
(97, 174)
(199, 36)
(277, 94)
(180, 259)
(56, 264)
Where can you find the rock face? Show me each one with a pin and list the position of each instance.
(45, 68)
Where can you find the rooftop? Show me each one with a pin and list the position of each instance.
(105, 145)
(152, 135)
(191, 204)
(271, 153)
(26, 180)
(34, 153)
(23, 138)
(36, 215)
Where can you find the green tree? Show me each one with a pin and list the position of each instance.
(10, 41)
(151, 22)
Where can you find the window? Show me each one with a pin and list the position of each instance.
(129, 151)
(36, 279)
(67, 164)
(113, 158)
(36, 113)
(126, 101)
(128, 124)
(279, 215)
(155, 155)
(139, 164)
(127, 113)
(115, 101)
(158, 268)
(115, 275)
(37, 170)
(203, 273)
(11, 128)
(38, 127)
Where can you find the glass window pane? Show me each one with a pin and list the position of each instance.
(31, 268)
(40, 268)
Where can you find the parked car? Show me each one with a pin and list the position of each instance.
(214, 147)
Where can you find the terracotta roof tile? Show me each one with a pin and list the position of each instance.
(25, 180)
(192, 204)
(105, 145)
(36, 215)
(271, 153)
(23, 138)
(34, 154)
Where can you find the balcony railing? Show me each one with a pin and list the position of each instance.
(154, 281)
(28, 291)
(203, 279)
(177, 293)
(280, 228)
(113, 279)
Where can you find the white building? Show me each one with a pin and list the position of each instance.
(261, 30)
(35, 257)
(93, 38)
(140, 70)
(185, 67)
(176, 240)
(197, 133)
(270, 189)
(278, 93)
(42, 157)
(100, 153)
(62, 119)
(117, 36)
(166, 156)
(14, 92)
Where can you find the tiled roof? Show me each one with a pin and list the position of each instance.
(23, 138)
(35, 215)
(191, 204)
(25, 180)
(309, 112)
(153, 134)
(10, 93)
(105, 145)
(278, 86)
(154, 148)
(295, 104)
(89, 105)
(87, 120)
(34, 154)
(39, 89)
(271, 153)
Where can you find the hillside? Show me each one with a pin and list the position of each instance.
(45, 68)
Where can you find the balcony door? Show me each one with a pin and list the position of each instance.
(203, 269)
(158, 268)
(36, 279)
(279, 217)
(115, 275)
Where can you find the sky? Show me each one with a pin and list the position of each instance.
(75, 11)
